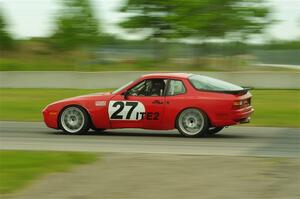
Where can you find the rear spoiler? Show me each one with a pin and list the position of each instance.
(234, 92)
(238, 92)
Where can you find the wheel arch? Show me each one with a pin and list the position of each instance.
(75, 105)
(200, 109)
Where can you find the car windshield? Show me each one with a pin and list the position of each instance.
(115, 91)
(207, 83)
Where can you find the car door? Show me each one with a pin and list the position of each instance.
(176, 100)
(137, 110)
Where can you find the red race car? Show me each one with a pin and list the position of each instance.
(194, 104)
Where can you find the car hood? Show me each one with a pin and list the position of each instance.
(93, 96)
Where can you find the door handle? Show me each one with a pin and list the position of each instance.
(157, 102)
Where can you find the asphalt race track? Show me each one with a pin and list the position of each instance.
(241, 141)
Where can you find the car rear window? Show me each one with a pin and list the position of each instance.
(201, 82)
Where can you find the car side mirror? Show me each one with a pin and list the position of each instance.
(126, 94)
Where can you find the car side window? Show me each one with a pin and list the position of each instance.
(149, 87)
(137, 89)
(175, 87)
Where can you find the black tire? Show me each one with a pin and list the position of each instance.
(65, 124)
(214, 130)
(202, 118)
(92, 126)
(99, 130)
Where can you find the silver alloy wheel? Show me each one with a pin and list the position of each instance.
(191, 121)
(72, 119)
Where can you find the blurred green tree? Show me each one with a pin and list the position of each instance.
(196, 20)
(6, 40)
(199, 19)
(76, 26)
(151, 18)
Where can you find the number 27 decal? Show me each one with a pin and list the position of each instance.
(129, 110)
(117, 115)
(125, 110)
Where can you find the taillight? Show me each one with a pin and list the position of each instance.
(241, 104)
(237, 104)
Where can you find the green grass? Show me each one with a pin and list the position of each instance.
(27, 104)
(272, 107)
(278, 108)
(20, 168)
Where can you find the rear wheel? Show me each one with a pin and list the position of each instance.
(214, 130)
(74, 120)
(192, 123)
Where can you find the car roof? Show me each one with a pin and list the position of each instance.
(167, 75)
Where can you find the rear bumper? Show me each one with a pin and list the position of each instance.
(243, 121)
(242, 115)
(234, 117)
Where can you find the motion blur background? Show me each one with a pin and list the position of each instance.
(55, 49)
(99, 35)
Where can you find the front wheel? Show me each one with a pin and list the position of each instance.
(74, 120)
(192, 123)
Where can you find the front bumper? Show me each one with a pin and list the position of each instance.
(50, 118)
